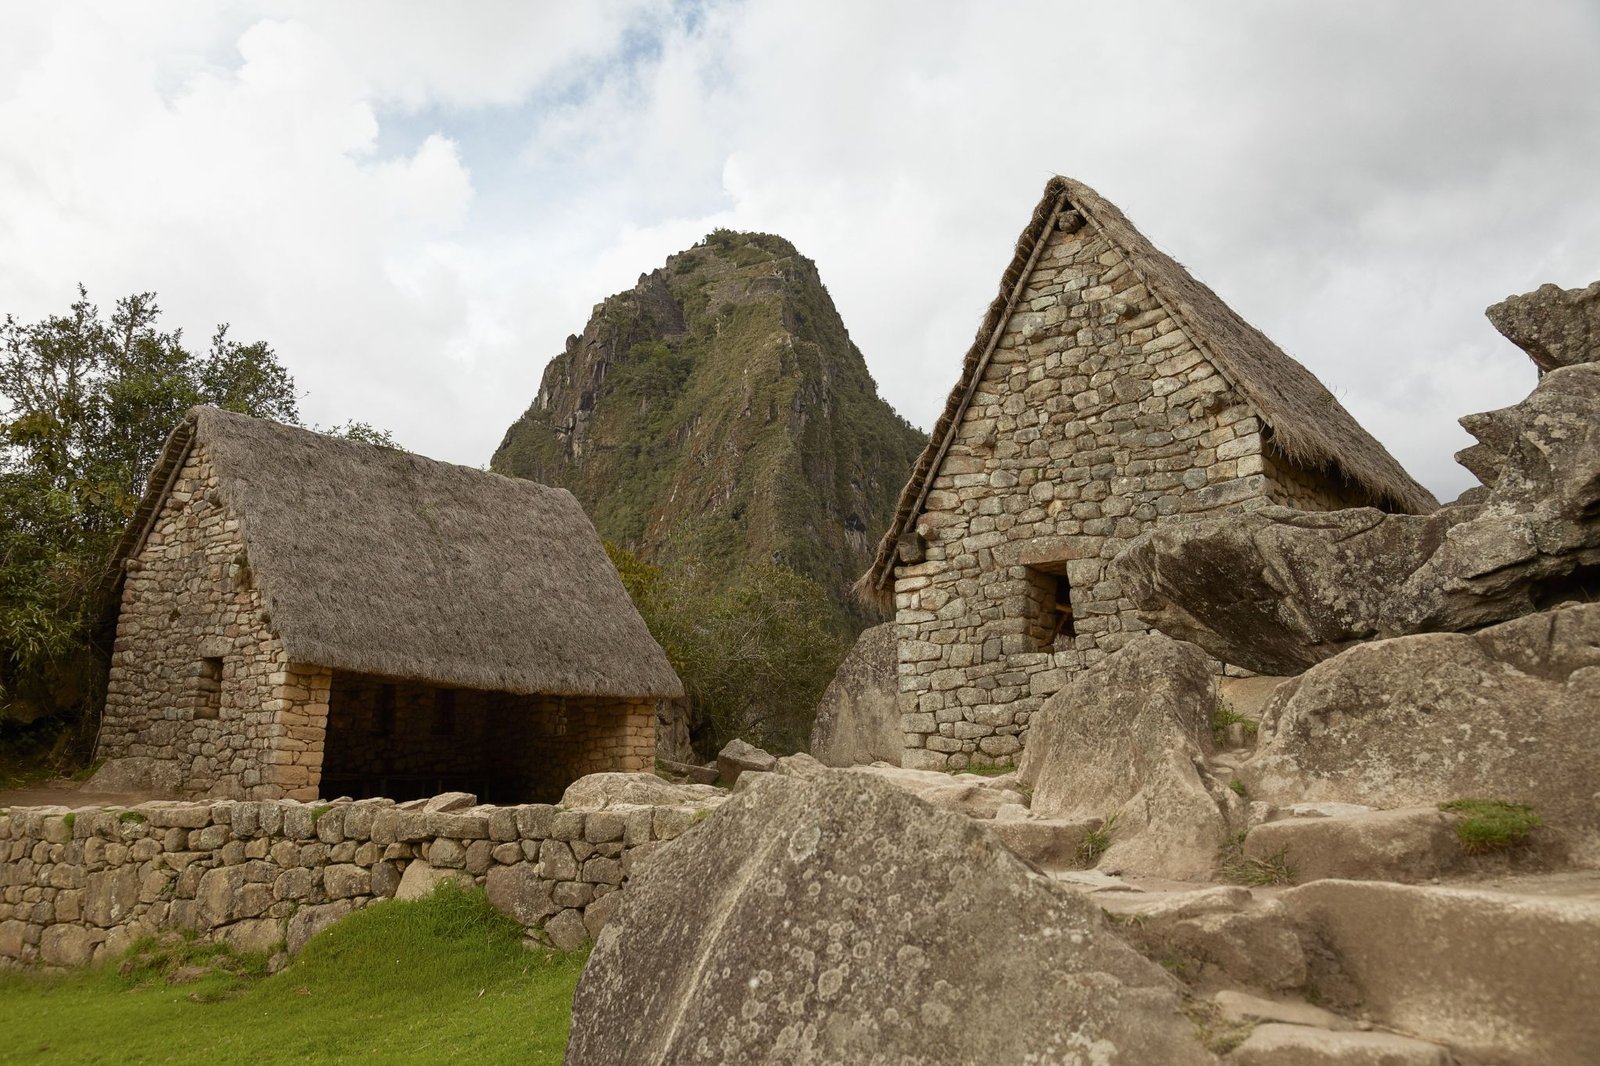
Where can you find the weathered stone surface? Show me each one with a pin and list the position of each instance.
(1475, 969)
(1220, 936)
(420, 880)
(858, 718)
(136, 774)
(449, 801)
(1275, 1044)
(68, 945)
(1278, 590)
(519, 893)
(567, 933)
(596, 791)
(738, 757)
(973, 796)
(1123, 740)
(1408, 844)
(1505, 713)
(307, 922)
(1049, 843)
(832, 919)
(1241, 1007)
(1557, 327)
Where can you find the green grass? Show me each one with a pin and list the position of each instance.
(1223, 715)
(1492, 825)
(1237, 788)
(440, 980)
(1096, 841)
(985, 770)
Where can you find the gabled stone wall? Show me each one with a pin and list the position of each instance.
(190, 609)
(1096, 418)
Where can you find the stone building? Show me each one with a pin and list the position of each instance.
(303, 615)
(1107, 391)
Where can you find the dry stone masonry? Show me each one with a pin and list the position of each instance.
(1097, 416)
(80, 886)
(201, 693)
(304, 616)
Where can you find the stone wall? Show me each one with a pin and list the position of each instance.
(1293, 485)
(199, 688)
(1095, 418)
(79, 887)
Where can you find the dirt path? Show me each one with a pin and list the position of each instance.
(70, 794)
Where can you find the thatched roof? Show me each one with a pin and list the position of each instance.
(1307, 423)
(379, 561)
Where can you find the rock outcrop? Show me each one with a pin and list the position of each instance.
(1280, 590)
(1508, 712)
(1123, 740)
(858, 718)
(834, 919)
(1557, 327)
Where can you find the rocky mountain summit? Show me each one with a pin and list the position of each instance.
(718, 412)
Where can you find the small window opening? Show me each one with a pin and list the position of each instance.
(444, 712)
(383, 712)
(208, 694)
(1050, 598)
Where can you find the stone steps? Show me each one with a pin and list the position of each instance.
(1502, 975)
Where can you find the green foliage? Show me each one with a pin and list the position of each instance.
(985, 770)
(364, 432)
(1492, 825)
(1238, 788)
(1223, 715)
(85, 404)
(754, 652)
(318, 811)
(130, 816)
(440, 979)
(1097, 840)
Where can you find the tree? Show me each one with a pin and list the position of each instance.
(754, 653)
(85, 405)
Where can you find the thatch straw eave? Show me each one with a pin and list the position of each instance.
(381, 562)
(1306, 423)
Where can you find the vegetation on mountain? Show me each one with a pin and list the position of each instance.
(717, 417)
(754, 654)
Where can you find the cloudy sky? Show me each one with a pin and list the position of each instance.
(416, 203)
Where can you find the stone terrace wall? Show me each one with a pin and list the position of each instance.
(1096, 418)
(79, 887)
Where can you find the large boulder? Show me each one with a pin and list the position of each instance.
(597, 791)
(1280, 590)
(1557, 327)
(968, 794)
(1506, 713)
(1123, 740)
(858, 719)
(136, 775)
(836, 919)
(740, 757)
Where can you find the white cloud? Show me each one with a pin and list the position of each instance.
(1358, 179)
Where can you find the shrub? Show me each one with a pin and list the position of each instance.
(1223, 715)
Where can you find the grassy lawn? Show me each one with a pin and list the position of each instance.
(440, 980)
